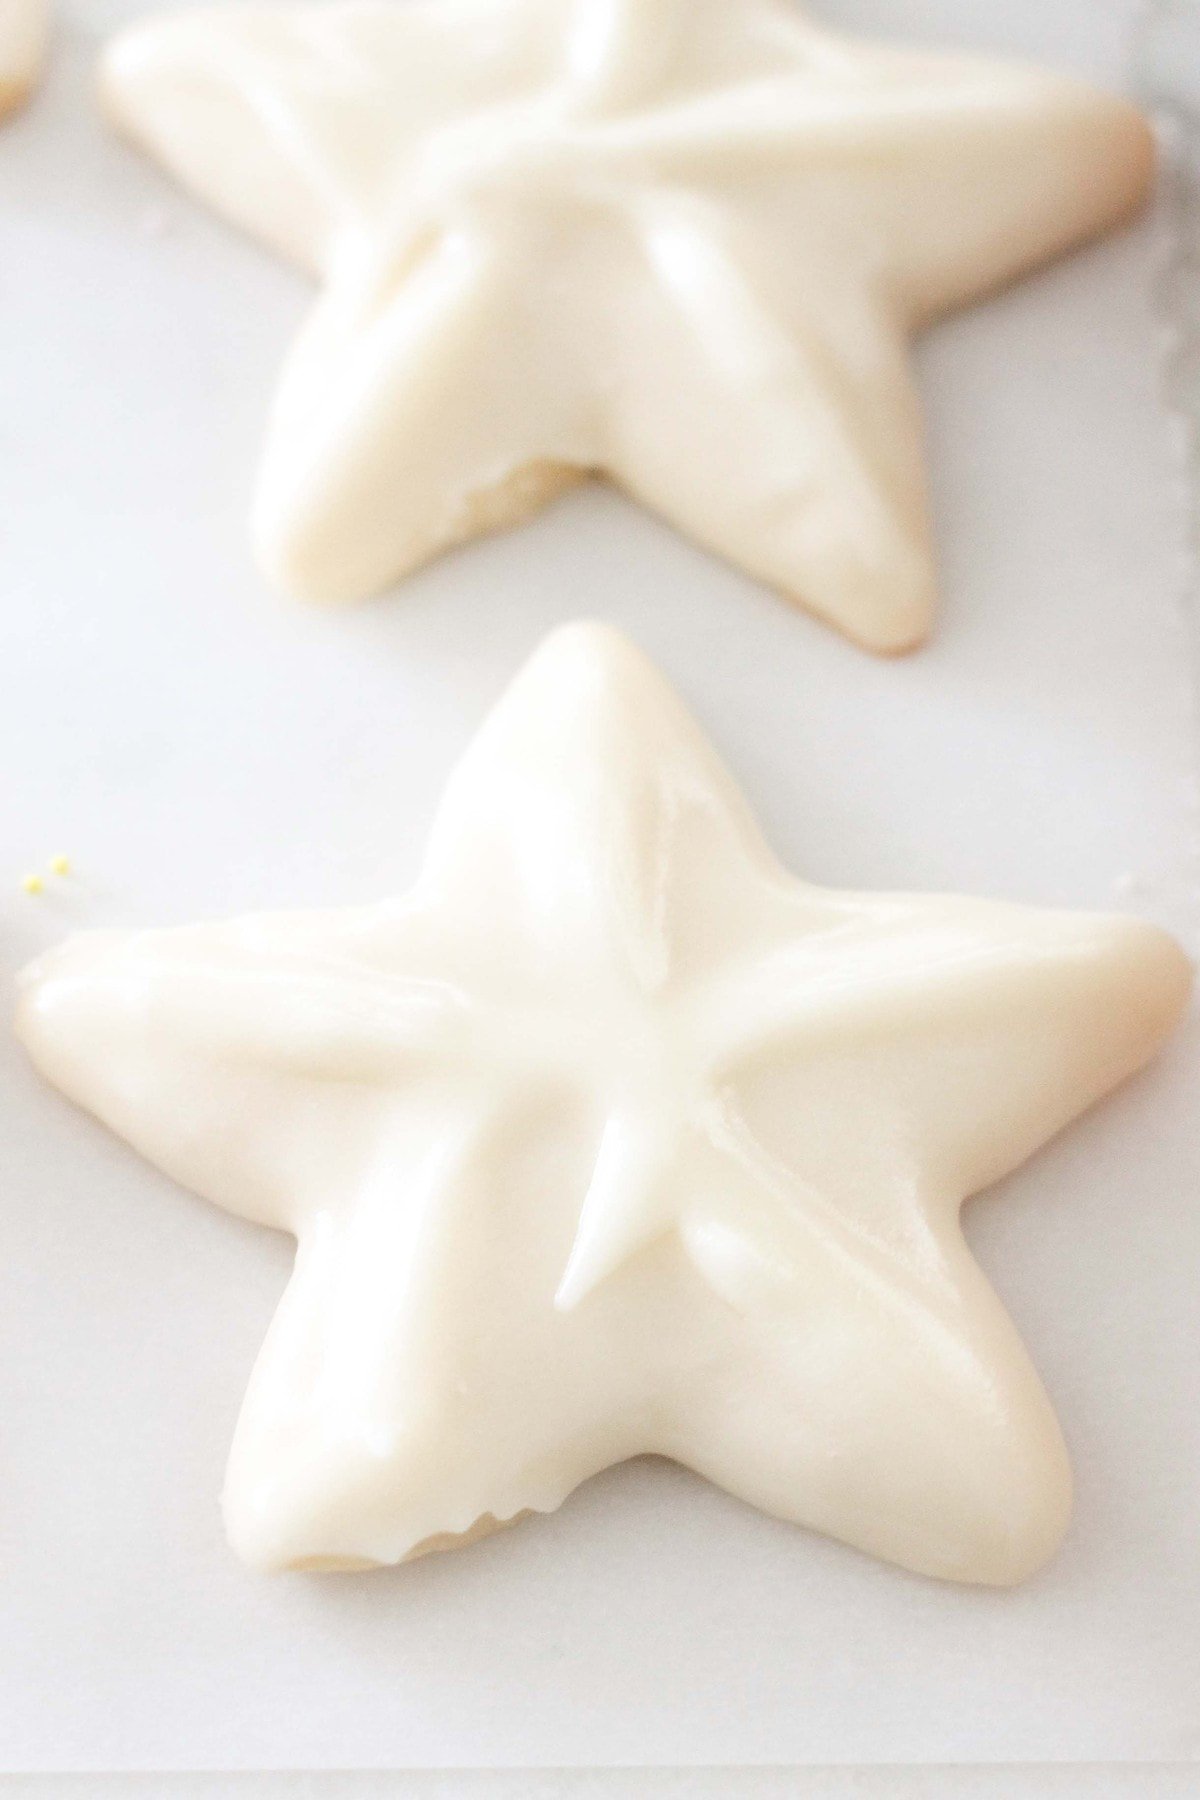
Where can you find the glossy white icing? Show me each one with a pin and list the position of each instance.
(23, 30)
(614, 1137)
(680, 242)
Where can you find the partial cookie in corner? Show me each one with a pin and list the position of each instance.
(23, 31)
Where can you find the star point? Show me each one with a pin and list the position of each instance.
(614, 1137)
(682, 246)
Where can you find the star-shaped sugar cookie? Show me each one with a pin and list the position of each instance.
(682, 243)
(615, 1138)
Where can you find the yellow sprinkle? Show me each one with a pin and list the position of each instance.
(59, 865)
(33, 884)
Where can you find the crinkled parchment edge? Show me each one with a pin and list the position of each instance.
(1165, 59)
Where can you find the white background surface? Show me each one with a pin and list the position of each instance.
(1058, 1781)
(200, 748)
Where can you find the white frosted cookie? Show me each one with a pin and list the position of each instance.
(613, 1137)
(682, 243)
(23, 27)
